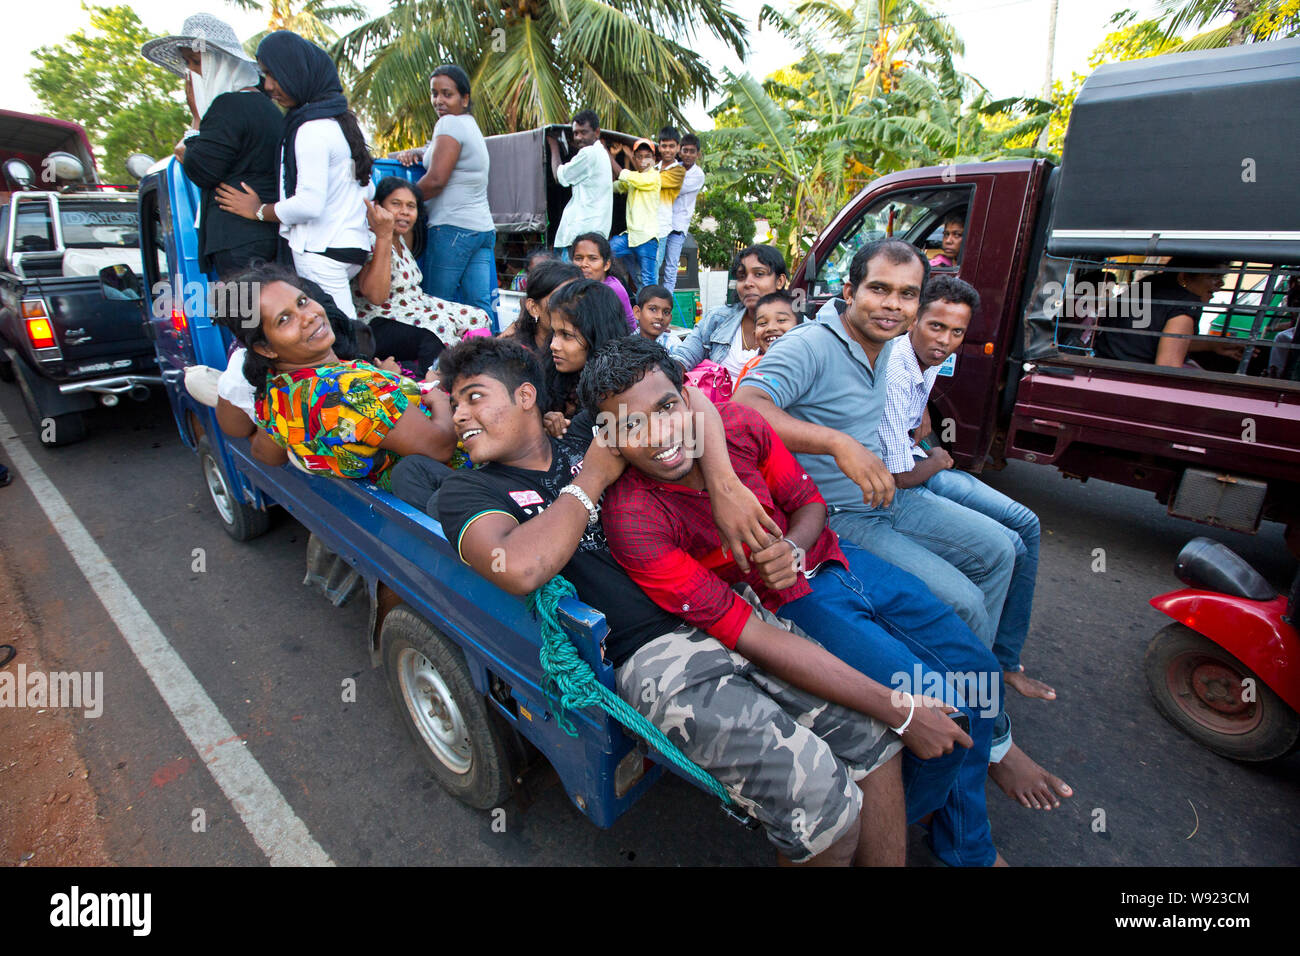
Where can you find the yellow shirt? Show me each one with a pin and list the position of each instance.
(642, 205)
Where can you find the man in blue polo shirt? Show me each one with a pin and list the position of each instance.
(822, 388)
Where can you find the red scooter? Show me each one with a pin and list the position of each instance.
(1227, 673)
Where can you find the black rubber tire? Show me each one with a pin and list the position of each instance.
(1172, 652)
(6, 368)
(243, 522)
(407, 641)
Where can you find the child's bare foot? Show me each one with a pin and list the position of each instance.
(1024, 781)
(1026, 685)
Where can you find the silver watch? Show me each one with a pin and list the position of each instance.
(593, 511)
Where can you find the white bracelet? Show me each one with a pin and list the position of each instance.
(593, 511)
(903, 726)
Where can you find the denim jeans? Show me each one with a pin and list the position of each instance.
(670, 254)
(1021, 526)
(460, 266)
(883, 622)
(641, 257)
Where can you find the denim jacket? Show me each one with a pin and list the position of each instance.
(711, 338)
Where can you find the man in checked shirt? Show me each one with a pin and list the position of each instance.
(878, 619)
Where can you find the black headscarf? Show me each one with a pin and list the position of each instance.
(307, 74)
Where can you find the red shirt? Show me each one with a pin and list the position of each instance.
(664, 535)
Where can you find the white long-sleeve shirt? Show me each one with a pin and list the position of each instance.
(684, 204)
(591, 207)
(328, 209)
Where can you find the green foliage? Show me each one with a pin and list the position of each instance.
(101, 81)
(534, 62)
(313, 19)
(1251, 21)
(732, 223)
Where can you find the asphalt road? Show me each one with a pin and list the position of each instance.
(272, 654)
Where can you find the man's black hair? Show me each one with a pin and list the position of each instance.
(946, 287)
(894, 250)
(780, 295)
(690, 139)
(652, 292)
(618, 365)
(508, 362)
(769, 256)
(670, 132)
(957, 216)
(588, 118)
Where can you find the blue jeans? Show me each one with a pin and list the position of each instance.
(640, 257)
(460, 266)
(1021, 526)
(883, 622)
(670, 254)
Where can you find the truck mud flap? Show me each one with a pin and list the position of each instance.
(330, 574)
(44, 394)
(1221, 500)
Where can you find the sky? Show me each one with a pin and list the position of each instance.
(1006, 40)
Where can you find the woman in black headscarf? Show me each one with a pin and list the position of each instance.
(324, 168)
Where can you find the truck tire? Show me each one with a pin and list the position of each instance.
(241, 520)
(1197, 686)
(460, 738)
(6, 368)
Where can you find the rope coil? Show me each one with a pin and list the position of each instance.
(572, 684)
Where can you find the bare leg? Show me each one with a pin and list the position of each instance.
(839, 853)
(882, 835)
(1025, 781)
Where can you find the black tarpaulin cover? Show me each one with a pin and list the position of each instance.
(1199, 150)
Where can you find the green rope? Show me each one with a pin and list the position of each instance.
(574, 683)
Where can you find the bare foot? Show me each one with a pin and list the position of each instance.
(1027, 686)
(1024, 781)
(1000, 861)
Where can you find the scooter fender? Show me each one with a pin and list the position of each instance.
(1252, 631)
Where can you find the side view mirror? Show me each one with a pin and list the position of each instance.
(137, 164)
(18, 175)
(120, 282)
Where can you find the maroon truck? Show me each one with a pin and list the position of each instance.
(1174, 156)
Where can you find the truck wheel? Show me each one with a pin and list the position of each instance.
(1198, 686)
(459, 737)
(6, 368)
(241, 520)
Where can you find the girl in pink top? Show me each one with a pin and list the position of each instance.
(591, 254)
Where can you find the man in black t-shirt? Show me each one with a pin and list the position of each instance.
(806, 768)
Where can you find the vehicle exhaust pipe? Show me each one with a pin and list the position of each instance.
(139, 393)
(108, 399)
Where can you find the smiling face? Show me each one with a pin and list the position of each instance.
(298, 332)
(755, 280)
(939, 331)
(490, 421)
(652, 427)
(1203, 285)
(883, 305)
(568, 347)
(274, 90)
(405, 207)
(446, 99)
(588, 258)
(668, 151)
(654, 317)
(771, 321)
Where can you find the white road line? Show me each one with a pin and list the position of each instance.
(270, 820)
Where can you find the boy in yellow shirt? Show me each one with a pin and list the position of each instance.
(641, 241)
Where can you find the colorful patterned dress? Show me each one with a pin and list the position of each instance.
(331, 419)
(410, 304)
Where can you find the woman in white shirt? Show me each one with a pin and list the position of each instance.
(324, 168)
(462, 235)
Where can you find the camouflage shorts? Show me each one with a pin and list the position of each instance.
(788, 757)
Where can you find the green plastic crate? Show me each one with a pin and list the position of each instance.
(684, 305)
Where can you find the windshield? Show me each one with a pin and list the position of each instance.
(95, 225)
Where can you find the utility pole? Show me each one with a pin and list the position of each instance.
(1051, 55)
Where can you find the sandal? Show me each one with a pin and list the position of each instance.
(7, 653)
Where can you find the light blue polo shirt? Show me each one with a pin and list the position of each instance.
(818, 374)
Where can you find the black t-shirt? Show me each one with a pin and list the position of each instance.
(632, 617)
(1169, 299)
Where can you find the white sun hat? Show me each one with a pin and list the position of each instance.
(199, 32)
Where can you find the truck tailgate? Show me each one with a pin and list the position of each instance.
(91, 329)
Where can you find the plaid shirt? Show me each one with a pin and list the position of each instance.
(664, 535)
(907, 389)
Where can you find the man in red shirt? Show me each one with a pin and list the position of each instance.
(877, 618)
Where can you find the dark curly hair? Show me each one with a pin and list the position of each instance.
(618, 365)
(945, 287)
(508, 362)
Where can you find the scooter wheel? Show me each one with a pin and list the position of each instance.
(1216, 699)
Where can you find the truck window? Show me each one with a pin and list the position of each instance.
(914, 215)
(99, 224)
(33, 231)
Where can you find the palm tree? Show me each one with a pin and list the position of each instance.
(533, 62)
(1251, 21)
(313, 19)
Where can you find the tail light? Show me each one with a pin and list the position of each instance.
(39, 331)
(179, 321)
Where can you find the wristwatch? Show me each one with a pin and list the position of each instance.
(800, 556)
(593, 511)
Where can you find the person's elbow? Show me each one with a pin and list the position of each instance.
(753, 397)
